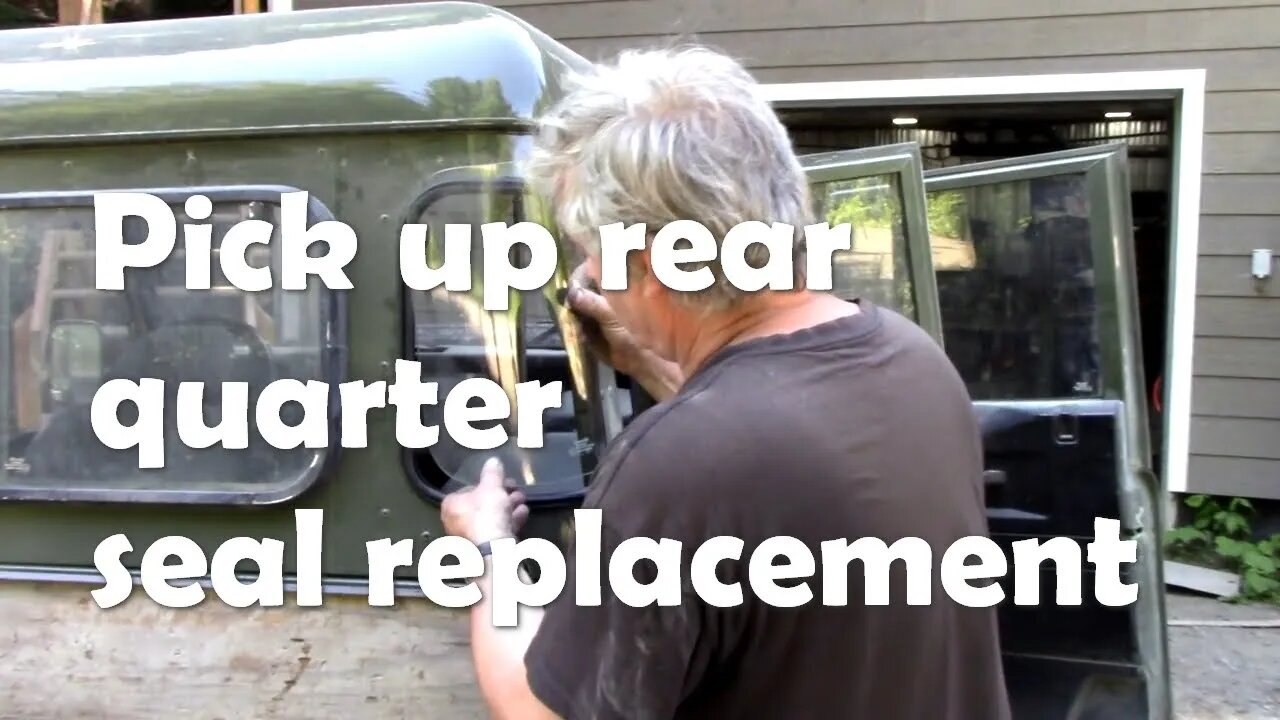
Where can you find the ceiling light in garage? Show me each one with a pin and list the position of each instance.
(1120, 115)
(905, 121)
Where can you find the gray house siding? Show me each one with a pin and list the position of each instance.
(1235, 427)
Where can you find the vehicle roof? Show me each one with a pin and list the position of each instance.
(304, 71)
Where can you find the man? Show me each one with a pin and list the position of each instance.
(790, 414)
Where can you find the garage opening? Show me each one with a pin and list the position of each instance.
(957, 134)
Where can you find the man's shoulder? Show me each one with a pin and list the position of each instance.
(668, 450)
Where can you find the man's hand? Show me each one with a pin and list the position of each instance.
(487, 511)
(617, 347)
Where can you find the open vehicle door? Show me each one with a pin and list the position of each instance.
(1035, 276)
(1027, 279)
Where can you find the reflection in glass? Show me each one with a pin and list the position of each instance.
(537, 339)
(64, 338)
(75, 360)
(1016, 285)
(877, 265)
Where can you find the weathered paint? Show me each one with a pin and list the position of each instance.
(61, 656)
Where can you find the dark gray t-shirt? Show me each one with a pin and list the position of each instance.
(855, 427)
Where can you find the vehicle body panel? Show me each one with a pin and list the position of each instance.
(369, 176)
(363, 69)
(67, 658)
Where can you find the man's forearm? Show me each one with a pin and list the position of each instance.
(499, 656)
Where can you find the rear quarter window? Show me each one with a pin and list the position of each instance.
(63, 339)
(455, 340)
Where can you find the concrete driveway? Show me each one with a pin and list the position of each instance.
(1223, 673)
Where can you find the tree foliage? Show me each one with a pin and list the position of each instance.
(946, 212)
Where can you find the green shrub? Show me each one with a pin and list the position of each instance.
(1221, 536)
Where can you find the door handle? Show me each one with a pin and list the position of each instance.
(1066, 428)
(992, 478)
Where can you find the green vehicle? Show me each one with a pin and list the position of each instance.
(420, 114)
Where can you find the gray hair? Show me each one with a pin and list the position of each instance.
(665, 135)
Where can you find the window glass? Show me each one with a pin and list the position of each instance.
(1016, 286)
(877, 265)
(538, 339)
(64, 338)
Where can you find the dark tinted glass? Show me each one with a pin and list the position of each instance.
(1016, 287)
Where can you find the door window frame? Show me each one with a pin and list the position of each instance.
(904, 161)
(1111, 246)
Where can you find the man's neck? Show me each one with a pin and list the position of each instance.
(760, 316)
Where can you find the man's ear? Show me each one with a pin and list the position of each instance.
(645, 278)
